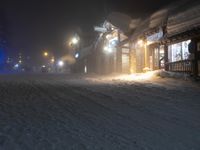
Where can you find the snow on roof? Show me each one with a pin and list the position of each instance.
(184, 17)
(158, 19)
(143, 27)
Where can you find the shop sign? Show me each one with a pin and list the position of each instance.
(100, 29)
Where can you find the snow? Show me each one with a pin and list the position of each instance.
(184, 18)
(52, 112)
(158, 19)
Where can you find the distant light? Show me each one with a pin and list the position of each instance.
(46, 54)
(61, 63)
(52, 60)
(16, 66)
(43, 66)
(114, 42)
(74, 40)
(20, 61)
(77, 55)
(85, 69)
(108, 49)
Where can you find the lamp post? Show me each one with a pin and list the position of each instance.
(46, 54)
(74, 44)
(49, 60)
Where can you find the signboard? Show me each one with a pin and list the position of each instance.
(100, 29)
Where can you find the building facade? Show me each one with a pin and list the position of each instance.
(168, 39)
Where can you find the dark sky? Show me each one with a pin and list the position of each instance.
(38, 24)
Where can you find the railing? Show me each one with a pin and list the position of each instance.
(186, 66)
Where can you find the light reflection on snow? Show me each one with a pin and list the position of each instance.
(137, 76)
(116, 78)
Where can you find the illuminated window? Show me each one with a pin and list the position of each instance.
(178, 51)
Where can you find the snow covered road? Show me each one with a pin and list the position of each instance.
(60, 112)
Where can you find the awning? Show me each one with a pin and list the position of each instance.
(158, 19)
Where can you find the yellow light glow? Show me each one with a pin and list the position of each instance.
(138, 76)
(74, 40)
(60, 63)
(149, 42)
(46, 54)
(52, 60)
(140, 42)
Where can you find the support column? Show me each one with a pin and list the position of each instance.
(146, 53)
(166, 57)
(196, 70)
(119, 56)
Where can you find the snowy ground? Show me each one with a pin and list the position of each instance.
(49, 112)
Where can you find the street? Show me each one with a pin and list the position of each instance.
(63, 112)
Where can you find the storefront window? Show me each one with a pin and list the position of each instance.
(178, 51)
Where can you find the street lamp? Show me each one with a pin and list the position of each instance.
(46, 54)
(77, 55)
(75, 40)
(52, 60)
(60, 63)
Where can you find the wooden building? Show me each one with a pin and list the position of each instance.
(168, 39)
(183, 38)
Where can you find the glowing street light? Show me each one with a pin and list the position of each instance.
(52, 60)
(60, 63)
(77, 55)
(108, 49)
(46, 54)
(75, 40)
(16, 66)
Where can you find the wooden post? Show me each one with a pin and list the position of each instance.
(166, 57)
(196, 72)
(145, 55)
(119, 56)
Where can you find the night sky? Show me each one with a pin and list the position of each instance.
(34, 25)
